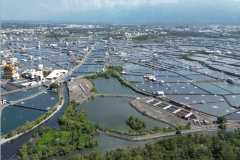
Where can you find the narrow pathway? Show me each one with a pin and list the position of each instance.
(23, 99)
(165, 134)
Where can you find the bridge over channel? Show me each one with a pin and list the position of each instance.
(23, 99)
(23, 106)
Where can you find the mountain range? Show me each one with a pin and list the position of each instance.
(183, 13)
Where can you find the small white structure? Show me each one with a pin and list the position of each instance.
(53, 45)
(142, 60)
(70, 53)
(150, 78)
(193, 67)
(123, 54)
(155, 56)
(29, 84)
(159, 93)
(15, 77)
(230, 80)
(3, 100)
(3, 63)
(124, 72)
(31, 57)
(214, 52)
(40, 66)
(85, 49)
(13, 60)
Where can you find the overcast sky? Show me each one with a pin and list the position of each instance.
(40, 9)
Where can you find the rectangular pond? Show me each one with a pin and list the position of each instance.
(228, 86)
(191, 99)
(217, 109)
(211, 88)
(186, 88)
(112, 86)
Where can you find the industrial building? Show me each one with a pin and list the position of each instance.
(55, 74)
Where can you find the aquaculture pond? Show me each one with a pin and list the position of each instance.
(234, 116)
(228, 86)
(185, 88)
(15, 116)
(9, 149)
(191, 99)
(153, 87)
(171, 78)
(112, 86)
(112, 112)
(211, 88)
(3, 90)
(234, 100)
(131, 78)
(23, 94)
(217, 109)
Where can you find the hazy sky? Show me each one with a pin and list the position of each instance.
(40, 9)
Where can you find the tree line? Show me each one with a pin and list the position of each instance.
(221, 146)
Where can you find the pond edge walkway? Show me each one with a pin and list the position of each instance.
(166, 134)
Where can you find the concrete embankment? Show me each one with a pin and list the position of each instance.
(156, 114)
(18, 90)
(115, 95)
(166, 134)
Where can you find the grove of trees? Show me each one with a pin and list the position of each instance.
(136, 123)
(76, 132)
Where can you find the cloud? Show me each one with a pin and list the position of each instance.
(83, 5)
(43, 6)
(80, 5)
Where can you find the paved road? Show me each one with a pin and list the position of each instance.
(75, 67)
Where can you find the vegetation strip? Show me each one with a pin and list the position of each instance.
(138, 128)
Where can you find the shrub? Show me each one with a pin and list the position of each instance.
(136, 123)
(54, 85)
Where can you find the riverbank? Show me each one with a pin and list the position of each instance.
(58, 106)
(167, 134)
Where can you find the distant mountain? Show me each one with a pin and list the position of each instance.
(166, 13)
